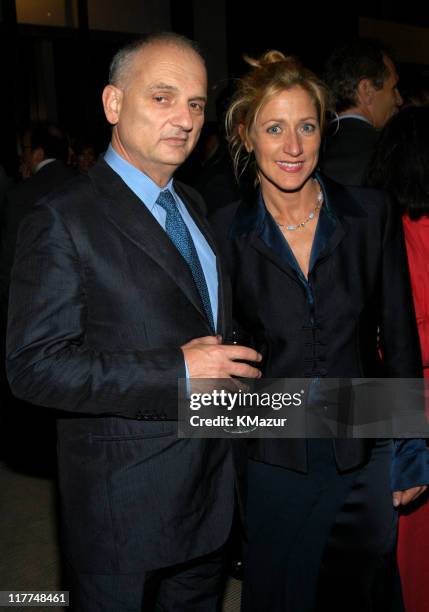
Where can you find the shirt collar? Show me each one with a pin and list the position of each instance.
(253, 217)
(141, 184)
(352, 116)
(43, 163)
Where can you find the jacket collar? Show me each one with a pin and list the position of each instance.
(125, 210)
(340, 208)
(224, 291)
(338, 202)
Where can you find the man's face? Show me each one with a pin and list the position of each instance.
(387, 100)
(158, 110)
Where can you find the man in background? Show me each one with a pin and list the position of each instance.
(364, 82)
(44, 150)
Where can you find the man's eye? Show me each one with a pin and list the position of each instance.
(160, 99)
(274, 129)
(197, 106)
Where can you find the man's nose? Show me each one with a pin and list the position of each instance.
(183, 118)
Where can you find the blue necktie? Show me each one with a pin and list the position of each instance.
(180, 236)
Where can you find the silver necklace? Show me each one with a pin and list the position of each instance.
(310, 217)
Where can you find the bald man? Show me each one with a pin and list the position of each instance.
(117, 292)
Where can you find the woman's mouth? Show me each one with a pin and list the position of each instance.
(290, 166)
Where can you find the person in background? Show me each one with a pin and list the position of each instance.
(363, 79)
(415, 89)
(209, 169)
(5, 182)
(216, 181)
(400, 166)
(315, 268)
(44, 150)
(83, 157)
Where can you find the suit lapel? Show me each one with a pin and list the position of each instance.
(127, 213)
(257, 243)
(195, 212)
(341, 208)
(224, 314)
(248, 228)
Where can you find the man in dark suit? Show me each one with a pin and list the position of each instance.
(363, 80)
(117, 292)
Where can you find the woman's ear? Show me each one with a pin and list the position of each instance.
(244, 138)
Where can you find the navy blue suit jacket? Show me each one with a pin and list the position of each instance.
(100, 303)
(360, 283)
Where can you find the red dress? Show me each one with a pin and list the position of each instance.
(413, 537)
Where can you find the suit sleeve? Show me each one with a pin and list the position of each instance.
(49, 360)
(401, 348)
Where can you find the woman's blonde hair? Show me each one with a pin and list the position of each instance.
(271, 74)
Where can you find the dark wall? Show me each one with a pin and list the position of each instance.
(69, 93)
(80, 57)
(81, 72)
(307, 32)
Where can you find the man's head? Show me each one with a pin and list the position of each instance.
(155, 101)
(363, 79)
(41, 141)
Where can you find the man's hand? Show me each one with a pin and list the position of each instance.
(207, 357)
(401, 498)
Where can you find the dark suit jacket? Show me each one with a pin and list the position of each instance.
(100, 303)
(359, 281)
(348, 151)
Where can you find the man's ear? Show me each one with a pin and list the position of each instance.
(244, 138)
(112, 101)
(365, 92)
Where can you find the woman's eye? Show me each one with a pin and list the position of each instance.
(274, 129)
(308, 128)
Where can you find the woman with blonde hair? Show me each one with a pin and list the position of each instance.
(315, 268)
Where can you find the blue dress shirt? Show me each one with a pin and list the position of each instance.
(147, 191)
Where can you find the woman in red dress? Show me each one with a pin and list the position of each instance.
(401, 167)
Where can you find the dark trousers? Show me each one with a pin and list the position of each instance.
(323, 540)
(195, 586)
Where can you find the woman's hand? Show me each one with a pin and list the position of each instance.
(401, 498)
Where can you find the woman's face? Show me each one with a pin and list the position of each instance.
(285, 140)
